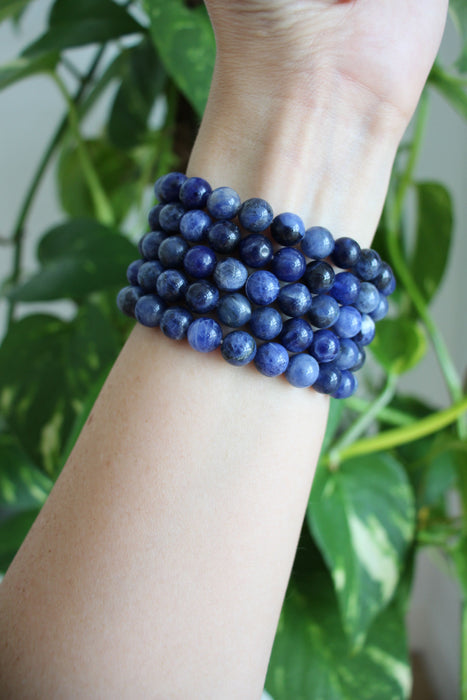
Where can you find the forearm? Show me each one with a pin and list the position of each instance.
(159, 563)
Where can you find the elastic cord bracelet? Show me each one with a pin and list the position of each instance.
(229, 274)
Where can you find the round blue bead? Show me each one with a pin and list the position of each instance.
(153, 217)
(385, 281)
(319, 276)
(368, 264)
(382, 308)
(172, 251)
(346, 252)
(149, 244)
(325, 345)
(200, 261)
(127, 298)
(348, 354)
(328, 379)
(288, 264)
(294, 299)
(223, 203)
(262, 287)
(360, 360)
(170, 216)
(149, 309)
(204, 334)
(296, 335)
(167, 187)
(367, 331)
(234, 310)
(266, 323)
(302, 370)
(202, 296)
(317, 243)
(175, 322)
(324, 311)
(347, 385)
(224, 236)
(255, 215)
(230, 275)
(132, 272)
(238, 348)
(172, 285)
(368, 298)
(148, 274)
(255, 250)
(348, 323)
(271, 359)
(194, 225)
(345, 288)
(287, 229)
(194, 193)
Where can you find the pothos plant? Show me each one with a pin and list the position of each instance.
(388, 460)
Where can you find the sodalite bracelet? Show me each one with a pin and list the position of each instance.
(208, 264)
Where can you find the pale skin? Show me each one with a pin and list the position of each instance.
(158, 566)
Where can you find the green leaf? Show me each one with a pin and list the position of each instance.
(13, 531)
(458, 10)
(85, 22)
(185, 42)
(434, 229)
(21, 68)
(336, 408)
(12, 9)
(399, 344)
(142, 82)
(22, 485)
(440, 473)
(451, 87)
(78, 258)
(362, 517)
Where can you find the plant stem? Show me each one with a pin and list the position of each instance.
(387, 414)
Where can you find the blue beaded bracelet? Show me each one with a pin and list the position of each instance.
(211, 262)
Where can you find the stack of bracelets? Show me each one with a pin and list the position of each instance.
(207, 267)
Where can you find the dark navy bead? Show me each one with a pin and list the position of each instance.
(368, 298)
(153, 217)
(317, 243)
(262, 287)
(367, 331)
(140, 244)
(167, 187)
(325, 345)
(349, 322)
(194, 225)
(288, 264)
(172, 285)
(194, 193)
(230, 275)
(294, 299)
(360, 360)
(319, 276)
(202, 297)
(234, 310)
(324, 311)
(170, 216)
(132, 271)
(348, 354)
(385, 281)
(172, 251)
(271, 359)
(287, 229)
(346, 252)
(296, 335)
(347, 385)
(255, 215)
(127, 298)
(200, 261)
(345, 288)
(302, 370)
(148, 274)
(150, 244)
(382, 308)
(328, 379)
(175, 322)
(204, 334)
(149, 309)
(223, 203)
(238, 348)
(255, 250)
(266, 323)
(224, 237)
(368, 264)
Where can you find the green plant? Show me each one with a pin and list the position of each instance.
(387, 462)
